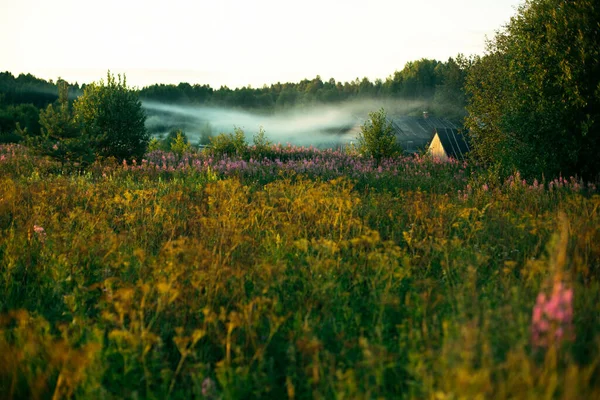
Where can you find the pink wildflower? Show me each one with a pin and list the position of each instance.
(40, 232)
(552, 317)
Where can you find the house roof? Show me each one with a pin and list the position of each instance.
(418, 127)
(454, 142)
(413, 133)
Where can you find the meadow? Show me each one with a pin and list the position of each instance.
(291, 272)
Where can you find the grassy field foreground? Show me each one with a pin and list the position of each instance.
(201, 279)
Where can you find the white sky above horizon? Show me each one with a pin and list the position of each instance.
(239, 43)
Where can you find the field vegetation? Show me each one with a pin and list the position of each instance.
(289, 272)
(140, 267)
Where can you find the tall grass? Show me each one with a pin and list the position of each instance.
(184, 277)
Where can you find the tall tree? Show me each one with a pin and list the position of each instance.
(535, 96)
(449, 99)
(62, 138)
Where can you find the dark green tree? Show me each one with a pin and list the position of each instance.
(27, 116)
(62, 138)
(534, 98)
(111, 114)
(449, 99)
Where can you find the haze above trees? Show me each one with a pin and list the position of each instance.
(436, 83)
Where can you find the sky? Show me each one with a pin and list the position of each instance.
(238, 43)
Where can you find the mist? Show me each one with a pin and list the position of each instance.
(317, 125)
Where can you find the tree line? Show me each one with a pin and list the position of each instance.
(436, 83)
(432, 81)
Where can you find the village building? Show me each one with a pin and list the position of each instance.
(418, 133)
(448, 143)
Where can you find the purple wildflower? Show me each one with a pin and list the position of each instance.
(552, 317)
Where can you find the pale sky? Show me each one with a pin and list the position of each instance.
(239, 42)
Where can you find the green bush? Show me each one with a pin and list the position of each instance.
(180, 144)
(229, 144)
(262, 145)
(377, 138)
(111, 115)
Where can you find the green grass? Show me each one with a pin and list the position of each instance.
(151, 287)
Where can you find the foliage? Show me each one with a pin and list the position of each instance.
(228, 144)
(260, 140)
(428, 84)
(432, 81)
(377, 137)
(534, 97)
(449, 99)
(61, 136)
(14, 136)
(28, 89)
(25, 115)
(176, 142)
(155, 144)
(169, 281)
(21, 100)
(179, 144)
(437, 84)
(261, 145)
(111, 115)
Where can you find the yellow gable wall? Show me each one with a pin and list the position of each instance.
(436, 149)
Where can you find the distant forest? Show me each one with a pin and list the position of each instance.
(438, 84)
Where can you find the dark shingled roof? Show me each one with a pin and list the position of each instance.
(454, 142)
(415, 133)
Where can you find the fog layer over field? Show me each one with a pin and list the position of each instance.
(318, 125)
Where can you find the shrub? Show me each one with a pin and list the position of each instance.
(229, 144)
(377, 138)
(111, 115)
(262, 145)
(180, 144)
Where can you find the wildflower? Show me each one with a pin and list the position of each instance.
(552, 319)
(209, 388)
(40, 232)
